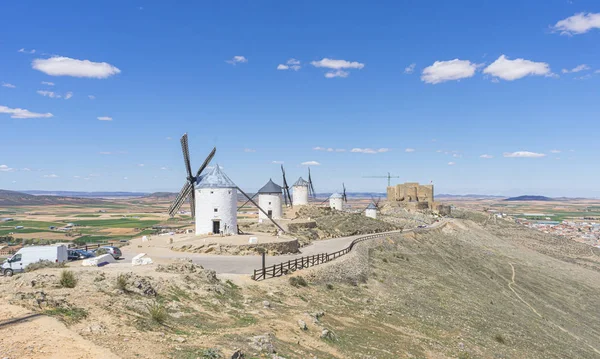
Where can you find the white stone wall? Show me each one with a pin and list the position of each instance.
(224, 200)
(300, 195)
(270, 201)
(371, 213)
(336, 203)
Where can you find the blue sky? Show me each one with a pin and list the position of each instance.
(512, 80)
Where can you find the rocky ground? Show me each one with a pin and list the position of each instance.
(473, 288)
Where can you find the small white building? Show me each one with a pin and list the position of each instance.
(371, 211)
(300, 192)
(216, 203)
(336, 202)
(269, 199)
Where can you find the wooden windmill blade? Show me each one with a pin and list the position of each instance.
(286, 189)
(344, 197)
(311, 188)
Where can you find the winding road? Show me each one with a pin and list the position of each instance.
(224, 264)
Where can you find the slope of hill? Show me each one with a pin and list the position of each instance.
(12, 198)
(529, 198)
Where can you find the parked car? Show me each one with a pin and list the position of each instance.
(114, 251)
(33, 254)
(77, 254)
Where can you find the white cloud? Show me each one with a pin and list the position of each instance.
(10, 86)
(26, 169)
(169, 138)
(310, 163)
(523, 154)
(237, 60)
(47, 83)
(338, 73)
(277, 162)
(105, 153)
(340, 150)
(5, 168)
(51, 176)
(66, 66)
(68, 95)
(337, 64)
(32, 51)
(456, 155)
(409, 150)
(486, 156)
(22, 113)
(582, 67)
(555, 151)
(318, 148)
(50, 94)
(442, 71)
(369, 150)
(91, 97)
(510, 70)
(291, 64)
(77, 177)
(451, 163)
(249, 150)
(578, 24)
(125, 178)
(164, 168)
(104, 118)
(330, 149)
(410, 68)
(141, 165)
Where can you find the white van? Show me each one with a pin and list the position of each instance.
(33, 254)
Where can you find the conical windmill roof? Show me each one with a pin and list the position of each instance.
(336, 195)
(371, 206)
(301, 182)
(270, 187)
(215, 178)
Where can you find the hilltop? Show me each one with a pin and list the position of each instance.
(476, 287)
(529, 198)
(13, 198)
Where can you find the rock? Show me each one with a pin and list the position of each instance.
(266, 304)
(95, 328)
(180, 340)
(302, 324)
(262, 343)
(238, 354)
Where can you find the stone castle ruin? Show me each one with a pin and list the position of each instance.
(412, 195)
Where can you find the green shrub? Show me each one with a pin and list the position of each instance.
(68, 315)
(67, 279)
(122, 282)
(43, 264)
(158, 313)
(298, 281)
(211, 353)
(500, 339)
(329, 286)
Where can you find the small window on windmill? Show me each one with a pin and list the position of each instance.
(229, 191)
(211, 192)
(269, 202)
(216, 210)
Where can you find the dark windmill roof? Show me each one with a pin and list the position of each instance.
(270, 187)
(371, 206)
(301, 182)
(215, 178)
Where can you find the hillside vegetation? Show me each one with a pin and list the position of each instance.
(473, 288)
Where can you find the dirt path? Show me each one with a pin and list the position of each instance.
(510, 286)
(25, 336)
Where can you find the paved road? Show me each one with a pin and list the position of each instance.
(246, 264)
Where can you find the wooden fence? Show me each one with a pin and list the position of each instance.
(283, 268)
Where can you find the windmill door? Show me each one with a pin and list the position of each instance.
(216, 227)
(270, 213)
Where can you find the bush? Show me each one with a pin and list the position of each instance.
(43, 264)
(211, 353)
(67, 279)
(329, 286)
(158, 313)
(500, 339)
(122, 282)
(298, 281)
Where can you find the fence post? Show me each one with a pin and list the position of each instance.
(264, 270)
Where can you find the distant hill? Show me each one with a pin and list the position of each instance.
(529, 198)
(12, 198)
(161, 195)
(85, 194)
(445, 195)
